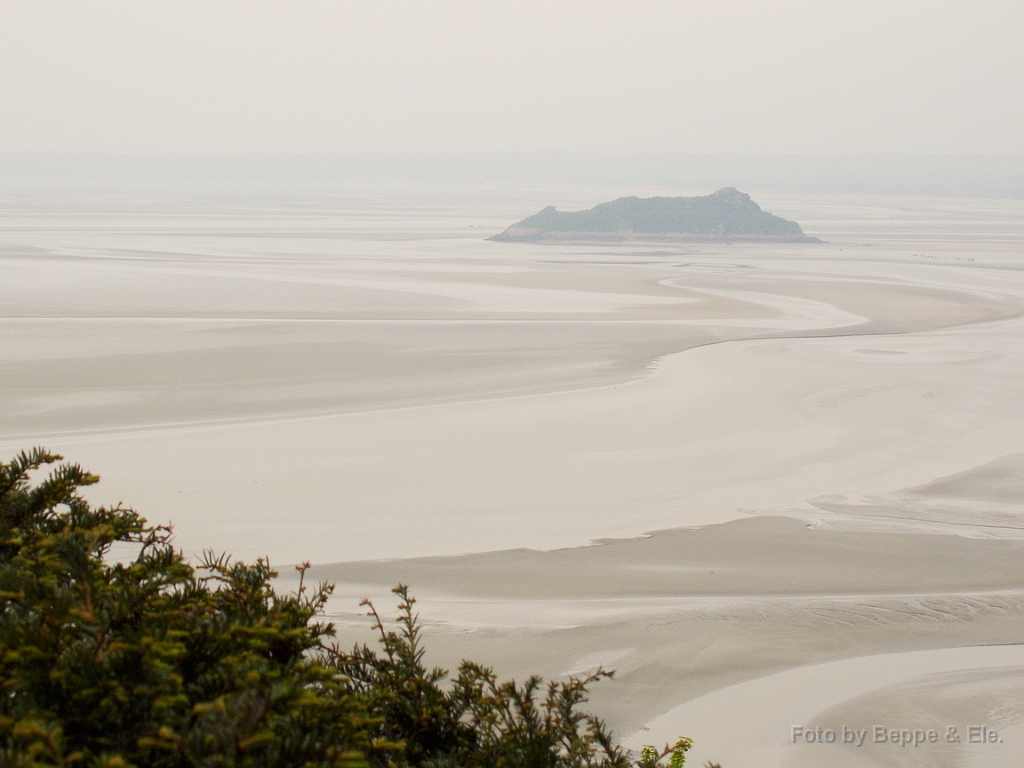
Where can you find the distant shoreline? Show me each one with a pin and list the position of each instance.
(584, 238)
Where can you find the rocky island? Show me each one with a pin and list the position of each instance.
(727, 214)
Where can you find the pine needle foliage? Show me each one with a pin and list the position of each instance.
(116, 652)
(476, 721)
(151, 662)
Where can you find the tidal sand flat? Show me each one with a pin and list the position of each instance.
(368, 382)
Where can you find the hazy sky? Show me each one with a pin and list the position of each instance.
(447, 75)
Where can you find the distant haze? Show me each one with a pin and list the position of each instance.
(993, 176)
(747, 76)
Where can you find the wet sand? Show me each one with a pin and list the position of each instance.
(825, 439)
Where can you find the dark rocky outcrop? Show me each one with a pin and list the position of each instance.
(727, 214)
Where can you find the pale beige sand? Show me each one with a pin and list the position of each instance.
(722, 430)
(683, 612)
(754, 556)
(279, 384)
(978, 692)
(985, 501)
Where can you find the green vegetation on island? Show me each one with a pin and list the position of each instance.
(115, 652)
(727, 214)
